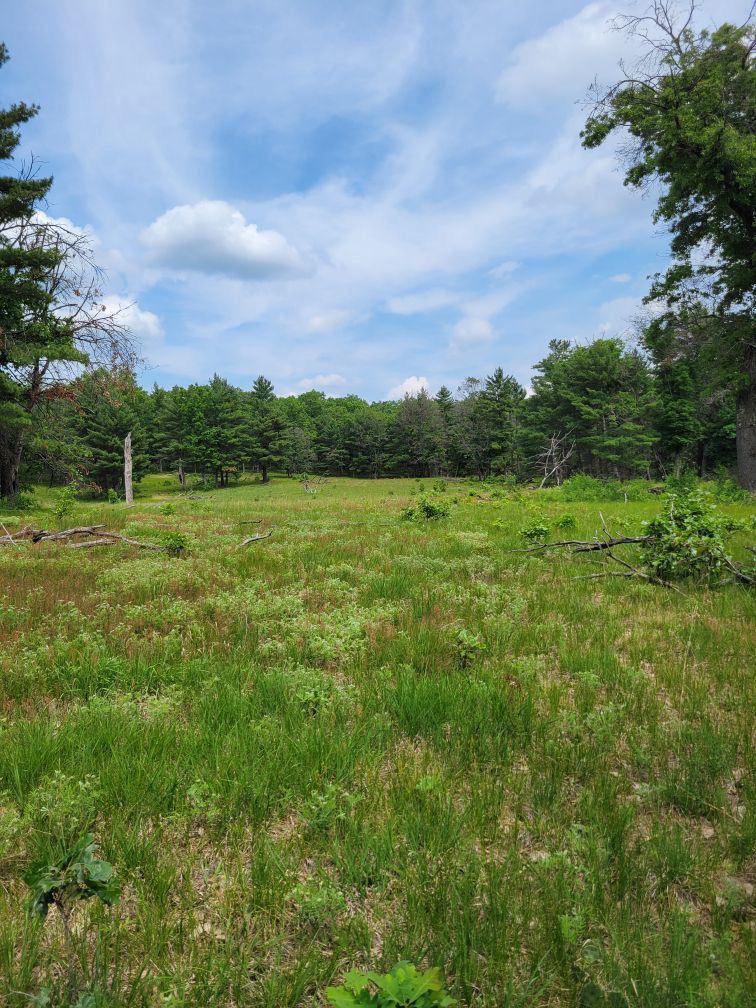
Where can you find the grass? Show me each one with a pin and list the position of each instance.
(368, 739)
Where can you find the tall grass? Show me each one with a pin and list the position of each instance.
(295, 769)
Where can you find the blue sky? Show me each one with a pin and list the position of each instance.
(351, 196)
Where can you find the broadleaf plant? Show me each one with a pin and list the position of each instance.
(403, 986)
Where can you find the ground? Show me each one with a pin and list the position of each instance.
(367, 739)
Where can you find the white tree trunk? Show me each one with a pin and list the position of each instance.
(128, 484)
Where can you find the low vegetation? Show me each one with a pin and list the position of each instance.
(367, 741)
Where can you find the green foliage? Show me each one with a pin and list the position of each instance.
(404, 985)
(565, 521)
(467, 647)
(592, 996)
(333, 804)
(218, 717)
(317, 901)
(173, 542)
(727, 491)
(536, 532)
(688, 109)
(427, 509)
(78, 876)
(584, 487)
(689, 540)
(64, 504)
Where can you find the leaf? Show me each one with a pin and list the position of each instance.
(591, 996)
(341, 998)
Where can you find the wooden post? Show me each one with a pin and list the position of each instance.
(128, 485)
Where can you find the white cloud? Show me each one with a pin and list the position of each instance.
(321, 381)
(558, 65)
(144, 326)
(213, 237)
(503, 269)
(328, 321)
(472, 330)
(410, 386)
(421, 301)
(621, 278)
(616, 317)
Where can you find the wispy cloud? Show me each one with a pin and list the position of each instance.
(380, 189)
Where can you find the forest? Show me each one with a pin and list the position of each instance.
(600, 409)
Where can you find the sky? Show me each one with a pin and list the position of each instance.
(356, 196)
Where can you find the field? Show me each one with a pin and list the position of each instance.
(366, 739)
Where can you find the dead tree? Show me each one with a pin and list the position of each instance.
(128, 485)
(554, 459)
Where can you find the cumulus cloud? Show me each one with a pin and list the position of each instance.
(421, 301)
(213, 237)
(328, 321)
(321, 381)
(144, 326)
(621, 278)
(410, 386)
(472, 330)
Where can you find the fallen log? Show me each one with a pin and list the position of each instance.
(256, 538)
(13, 538)
(586, 546)
(45, 536)
(112, 539)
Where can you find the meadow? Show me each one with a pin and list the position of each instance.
(366, 739)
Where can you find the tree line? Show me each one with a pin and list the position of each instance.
(600, 408)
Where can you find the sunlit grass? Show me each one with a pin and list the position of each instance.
(296, 767)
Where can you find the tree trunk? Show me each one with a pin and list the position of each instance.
(745, 437)
(10, 464)
(264, 473)
(128, 484)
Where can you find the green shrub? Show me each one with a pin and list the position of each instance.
(403, 986)
(727, 491)
(535, 532)
(688, 540)
(565, 521)
(467, 647)
(426, 509)
(64, 504)
(173, 542)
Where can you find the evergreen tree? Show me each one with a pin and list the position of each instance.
(499, 410)
(418, 436)
(296, 451)
(24, 298)
(603, 397)
(109, 405)
(266, 427)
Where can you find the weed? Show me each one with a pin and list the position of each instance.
(404, 985)
(426, 509)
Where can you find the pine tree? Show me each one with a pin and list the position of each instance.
(109, 406)
(499, 411)
(267, 427)
(25, 328)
